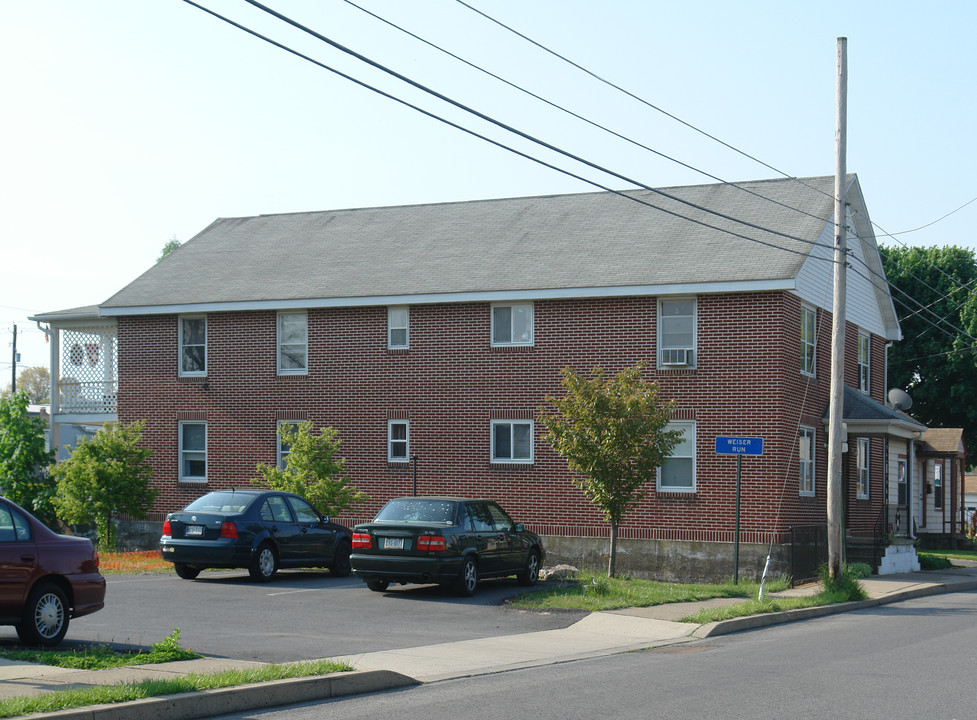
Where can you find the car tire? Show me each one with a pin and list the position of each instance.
(45, 619)
(340, 566)
(187, 572)
(529, 574)
(467, 581)
(264, 565)
(377, 585)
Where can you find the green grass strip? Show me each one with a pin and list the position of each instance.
(123, 692)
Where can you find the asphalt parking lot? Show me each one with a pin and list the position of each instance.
(299, 615)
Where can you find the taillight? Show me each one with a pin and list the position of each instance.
(229, 530)
(434, 543)
(95, 559)
(362, 541)
(167, 531)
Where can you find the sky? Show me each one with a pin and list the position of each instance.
(125, 124)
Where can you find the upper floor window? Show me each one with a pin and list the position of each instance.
(863, 468)
(808, 339)
(676, 332)
(193, 345)
(678, 472)
(398, 327)
(512, 324)
(193, 451)
(398, 440)
(293, 343)
(864, 361)
(512, 441)
(805, 460)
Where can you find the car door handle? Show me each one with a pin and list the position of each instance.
(27, 558)
(305, 530)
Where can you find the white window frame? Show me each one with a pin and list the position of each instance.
(806, 465)
(282, 453)
(809, 340)
(191, 373)
(863, 463)
(393, 325)
(513, 307)
(691, 348)
(512, 441)
(184, 451)
(280, 343)
(864, 362)
(689, 430)
(391, 458)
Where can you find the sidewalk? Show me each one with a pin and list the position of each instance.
(598, 634)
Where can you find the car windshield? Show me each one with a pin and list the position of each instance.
(221, 502)
(415, 510)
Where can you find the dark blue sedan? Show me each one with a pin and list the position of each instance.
(261, 530)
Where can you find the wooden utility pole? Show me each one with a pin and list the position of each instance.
(13, 371)
(836, 428)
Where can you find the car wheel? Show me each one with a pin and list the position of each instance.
(45, 620)
(187, 572)
(265, 563)
(468, 579)
(377, 585)
(530, 574)
(340, 561)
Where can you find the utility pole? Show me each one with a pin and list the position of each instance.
(836, 431)
(13, 365)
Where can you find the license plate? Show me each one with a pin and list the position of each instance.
(393, 543)
(193, 530)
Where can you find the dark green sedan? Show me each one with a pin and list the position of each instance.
(450, 541)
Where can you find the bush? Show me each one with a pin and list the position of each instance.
(844, 588)
(933, 562)
(860, 570)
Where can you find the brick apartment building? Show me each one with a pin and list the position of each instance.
(430, 335)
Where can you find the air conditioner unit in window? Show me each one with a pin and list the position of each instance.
(673, 357)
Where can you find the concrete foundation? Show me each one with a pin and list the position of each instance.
(669, 560)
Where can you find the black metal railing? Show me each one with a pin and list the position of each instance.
(808, 552)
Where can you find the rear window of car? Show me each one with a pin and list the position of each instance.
(412, 510)
(221, 502)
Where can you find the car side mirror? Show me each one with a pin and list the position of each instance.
(325, 518)
(520, 528)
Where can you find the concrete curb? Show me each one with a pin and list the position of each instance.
(208, 703)
(752, 622)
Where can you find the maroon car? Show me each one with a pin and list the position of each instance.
(45, 578)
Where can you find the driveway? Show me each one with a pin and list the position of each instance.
(299, 615)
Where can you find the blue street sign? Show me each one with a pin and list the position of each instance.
(739, 446)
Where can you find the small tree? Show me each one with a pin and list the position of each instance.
(171, 245)
(612, 432)
(24, 458)
(105, 474)
(313, 469)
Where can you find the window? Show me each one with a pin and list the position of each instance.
(808, 339)
(193, 451)
(902, 485)
(398, 441)
(864, 361)
(863, 467)
(676, 332)
(938, 485)
(285, 447)
(293, 343)
(275, 510)
(805, 457)
(512, 324)
(13, 526)
(512, 441)
(678, 472)
(193, 346)
(304, 513)
(398, 327)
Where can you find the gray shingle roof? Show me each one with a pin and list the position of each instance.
(589, 240)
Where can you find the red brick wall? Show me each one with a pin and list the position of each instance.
(452, 383)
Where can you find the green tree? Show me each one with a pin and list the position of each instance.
(36, 382)
(24, 458)
(106, 474)
(936, 361)
(612, 431)
(313, 469)
(171, 245)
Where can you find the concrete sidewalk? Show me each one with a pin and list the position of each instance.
(598, 634)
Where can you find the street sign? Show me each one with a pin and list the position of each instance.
(739, 446)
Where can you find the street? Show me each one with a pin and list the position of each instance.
(913, 659)
(299, 615)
